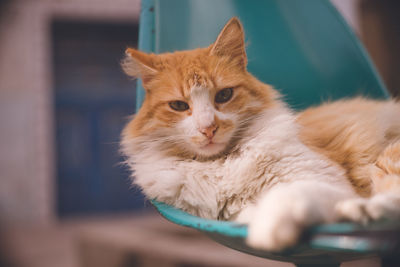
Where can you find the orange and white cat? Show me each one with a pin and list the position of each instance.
(216, 142)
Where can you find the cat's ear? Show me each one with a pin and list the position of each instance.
(230, 42)
(139, 65)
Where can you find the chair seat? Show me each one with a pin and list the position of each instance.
(321, 244)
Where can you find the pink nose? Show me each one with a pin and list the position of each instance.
(209, 131)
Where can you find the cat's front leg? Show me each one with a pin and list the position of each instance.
(285, 210)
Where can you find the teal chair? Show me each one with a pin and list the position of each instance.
(306, 51)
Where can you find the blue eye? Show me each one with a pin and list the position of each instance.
(224, 95)
(178, 105)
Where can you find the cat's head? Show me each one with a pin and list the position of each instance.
(198, 102)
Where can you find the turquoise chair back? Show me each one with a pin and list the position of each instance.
(303, 48)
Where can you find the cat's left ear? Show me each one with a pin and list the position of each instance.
(230, 43)
(139, 65)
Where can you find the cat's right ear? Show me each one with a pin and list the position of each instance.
(230, 43)
(139, 65)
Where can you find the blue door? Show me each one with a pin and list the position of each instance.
(93, 99)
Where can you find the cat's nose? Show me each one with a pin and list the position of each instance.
(209, 131)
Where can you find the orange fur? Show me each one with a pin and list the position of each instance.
(386, 170)
(354, 133)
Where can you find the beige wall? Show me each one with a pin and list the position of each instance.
(26, 109)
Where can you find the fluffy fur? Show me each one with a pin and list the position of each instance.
(250, 158)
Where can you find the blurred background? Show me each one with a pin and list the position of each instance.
(65, 198)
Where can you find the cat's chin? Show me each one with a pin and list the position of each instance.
(211, 150)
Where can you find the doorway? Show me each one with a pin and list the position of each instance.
(93, 99)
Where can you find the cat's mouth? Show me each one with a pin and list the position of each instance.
(210, 144)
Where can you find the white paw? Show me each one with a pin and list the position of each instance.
(353, 210)
(278, 227)
(363, 210)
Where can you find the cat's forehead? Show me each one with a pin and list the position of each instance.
(190, 69)
(182, 71)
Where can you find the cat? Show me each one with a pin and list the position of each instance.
(216, 142)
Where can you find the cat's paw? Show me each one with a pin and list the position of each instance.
(278, 227)
(364, 210)
(353, 210)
